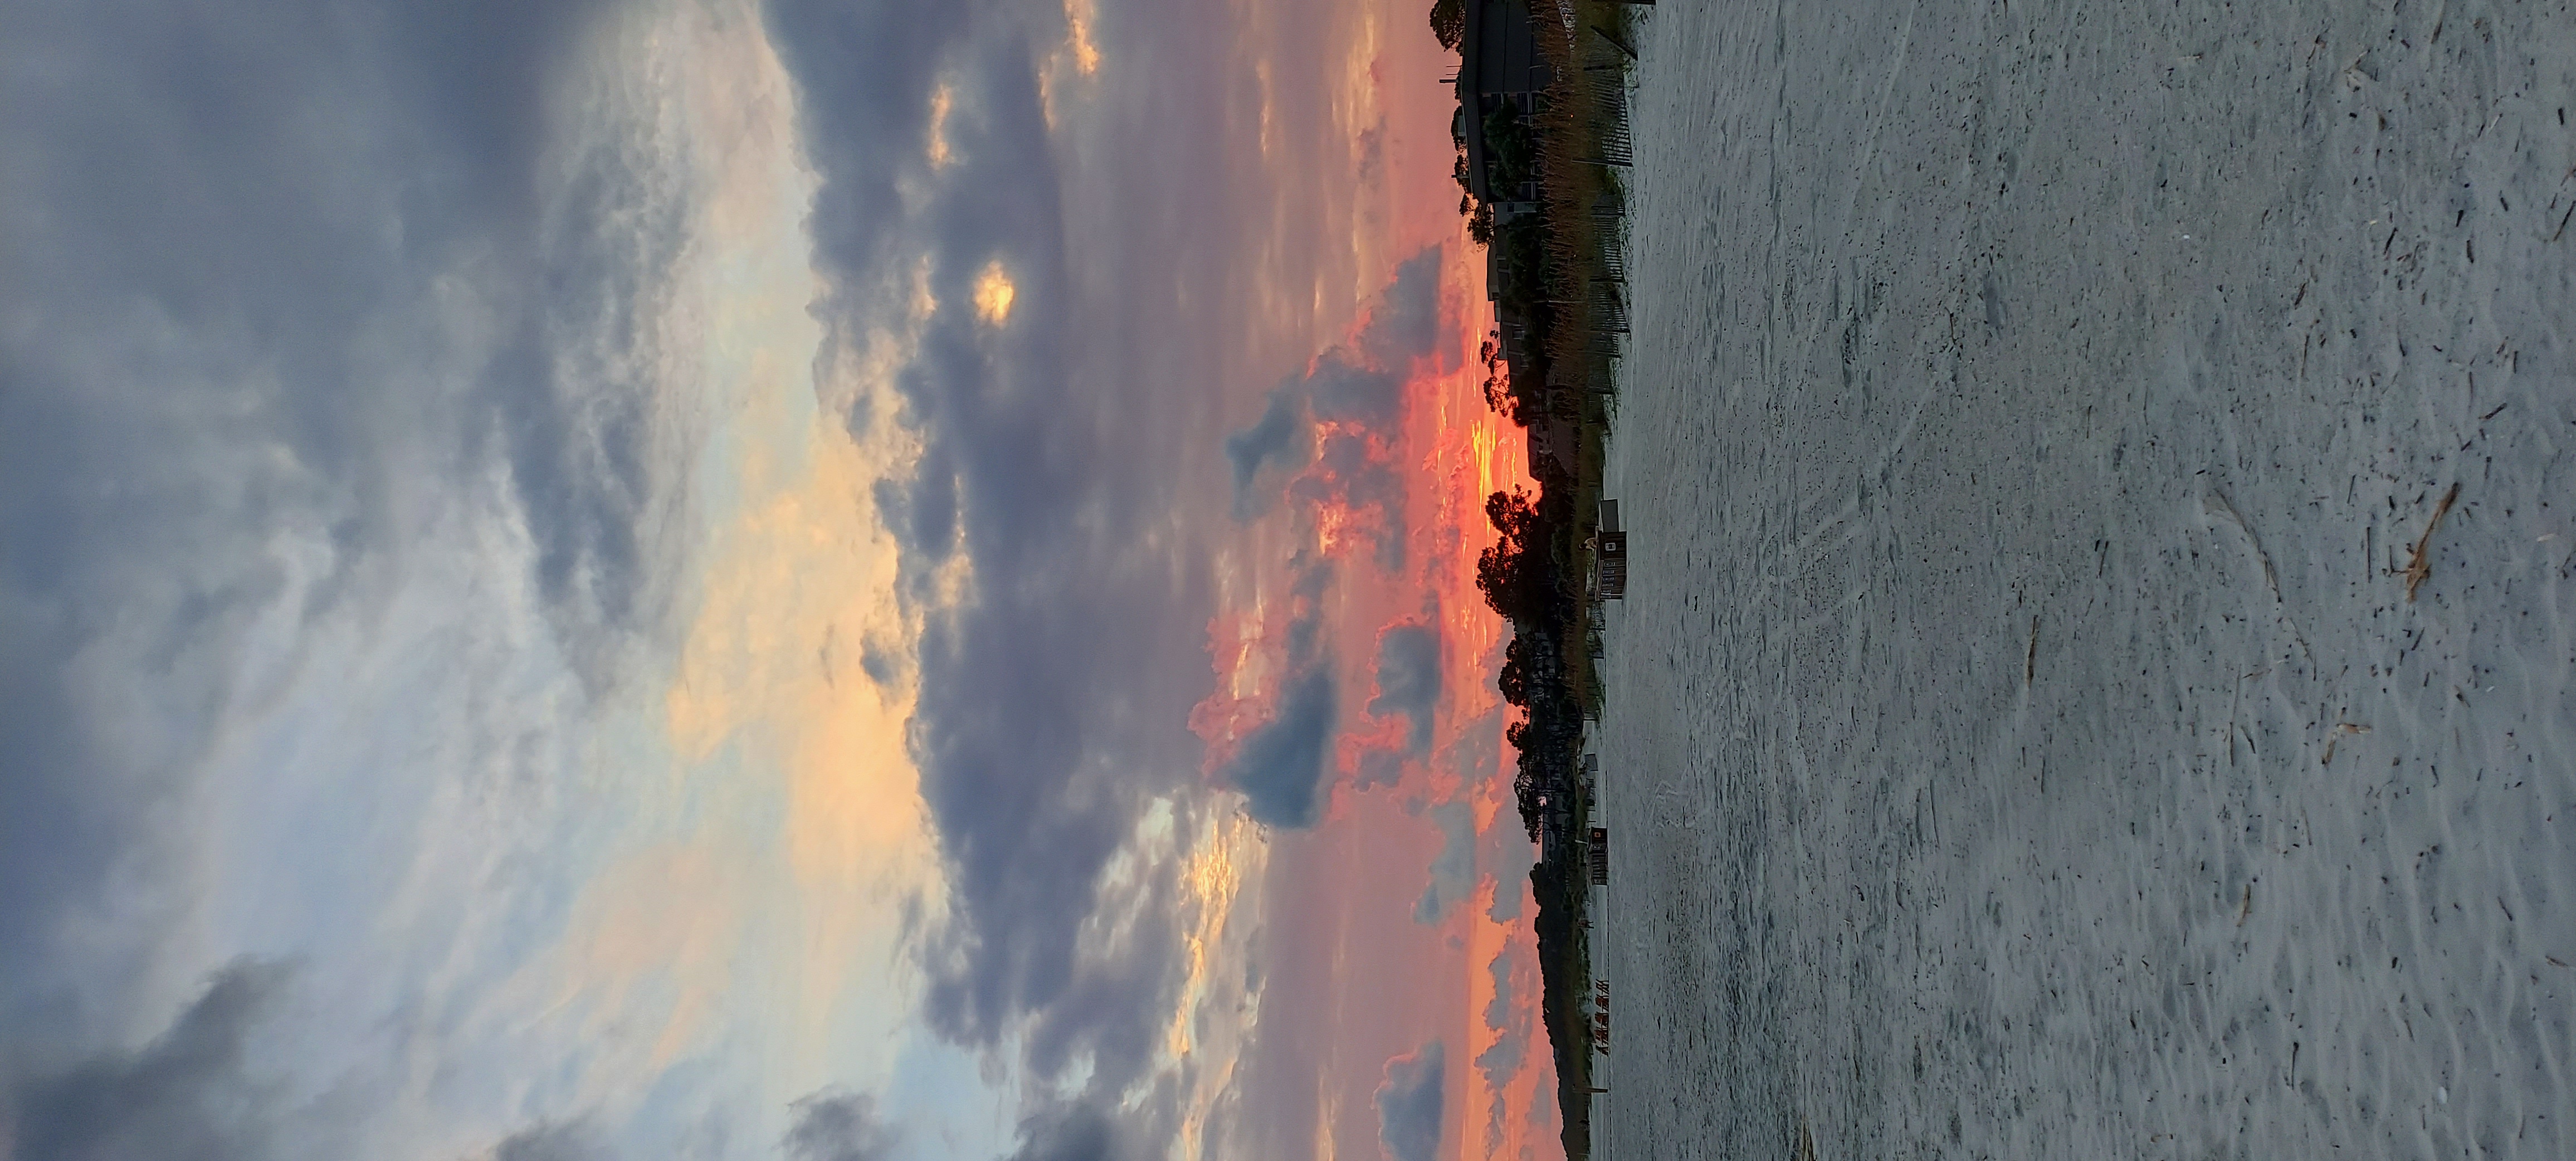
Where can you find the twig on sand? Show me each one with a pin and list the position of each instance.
(2030, 660)
(2420, 567)
(2271, 577)
(2248, 907)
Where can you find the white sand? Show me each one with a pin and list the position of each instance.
(2132, 321)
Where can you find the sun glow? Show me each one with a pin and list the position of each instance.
(994, 292)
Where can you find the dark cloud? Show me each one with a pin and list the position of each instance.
(274, 269)
(1053, 701)
(570, 407)
(1405, 325)
(838, 1126)
(878, 664)
(1285, 437)
(1283, 763)
(865, 73)
(1502, 1062)
(237, 239)
(184, 1097)
(1004, 732)
(1379, 768)
(1355, 472)
(551, 1142)
(1359, 391)
(1408, 681)
(1453, 870)
(1343, 391)
(1498, 1011)
(1281, 435)
(1062, 458)
(1409, 1104)
(194, 1094)
(1081, 1132)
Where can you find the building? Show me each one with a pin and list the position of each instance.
(1556, 440)
(1555, 825)
(1502, 78)
(1609, 555)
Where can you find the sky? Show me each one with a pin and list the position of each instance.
(855, 581)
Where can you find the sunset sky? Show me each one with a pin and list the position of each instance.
(691, 578)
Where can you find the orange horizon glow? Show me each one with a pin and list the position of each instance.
(1467, 452)
(1371, 850)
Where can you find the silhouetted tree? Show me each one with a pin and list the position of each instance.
(1480, 225)
(1449, 22)
(1513, 572)
(1514, 679)
(1514, 581)
(1512, 514)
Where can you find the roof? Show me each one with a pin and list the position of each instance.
(1497, 56)
(1471, 96)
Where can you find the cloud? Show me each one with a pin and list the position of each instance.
(1453, 870)
(1281, 435)
(1283, 762)
(1025, 817)
(867, 74)
(1406, 322)
(1338, 391)
(1331, 424)
(300, 308)
(1408, 680)
(1050, 545)
(838, 1126)
(184, 1096)
(1502, 1061)
(1345, 388)
(550, 1142)
(326, 321)
(341, 422)
(1498, 1011)
(1080, 1132)
(1409, 1104)
(1378, 768)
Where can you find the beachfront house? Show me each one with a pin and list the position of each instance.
(1501, 80)
(1553, 440)
(1609, 555)
(1556, 824)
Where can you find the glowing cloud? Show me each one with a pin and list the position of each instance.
(1077, 35)
(940, 101)
(994, 291)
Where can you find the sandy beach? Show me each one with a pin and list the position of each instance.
(2024, 738)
